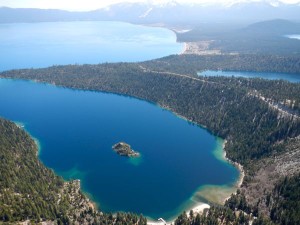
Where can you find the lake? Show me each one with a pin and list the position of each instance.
(270, 76)
(180, 162)
(37, 45)
(77, 129)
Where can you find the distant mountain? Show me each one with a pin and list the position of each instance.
(274, 27)
(267, 37)
(9, 15)
(165, 13)
(270, 28)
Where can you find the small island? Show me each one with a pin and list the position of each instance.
(124, 149)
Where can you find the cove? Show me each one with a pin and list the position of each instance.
(76, 131)
(294, 78)
(36, 45)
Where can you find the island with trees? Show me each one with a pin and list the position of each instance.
(124, 149)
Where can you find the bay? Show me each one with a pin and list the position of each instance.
(76, 131)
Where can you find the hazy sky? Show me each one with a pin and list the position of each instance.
(81, 5)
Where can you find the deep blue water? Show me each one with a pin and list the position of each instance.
(35, 45)
(76, 130)
(270, 76)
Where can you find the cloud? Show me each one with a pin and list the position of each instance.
(83, 5)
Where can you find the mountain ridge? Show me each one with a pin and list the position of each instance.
(160, 13)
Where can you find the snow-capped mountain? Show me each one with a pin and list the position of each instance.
(165, 12)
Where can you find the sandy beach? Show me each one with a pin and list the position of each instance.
(185, 48)
(197, 209)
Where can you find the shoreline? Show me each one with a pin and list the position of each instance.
(199, 207)
(185, 48)
(22, 126)
(237, 165)
(218, 194)
(93, 204)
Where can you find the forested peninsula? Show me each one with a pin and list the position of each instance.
(259, 119)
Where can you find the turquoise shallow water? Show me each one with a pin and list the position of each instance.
(76, 131)
(36, 45)
(295, 78)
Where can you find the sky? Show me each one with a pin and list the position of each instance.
(85, 5)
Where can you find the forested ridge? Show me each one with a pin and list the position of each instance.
(285, 201)
(258, 118)
(191, 64)
(22, 176)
